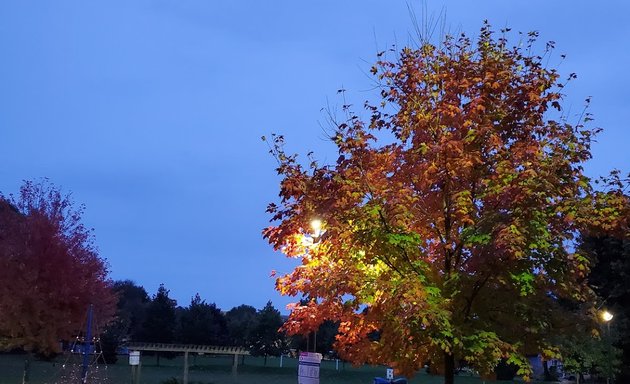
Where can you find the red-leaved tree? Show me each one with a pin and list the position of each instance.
(50, 271)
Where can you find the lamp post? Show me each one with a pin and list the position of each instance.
(316, 226)
(607, 317)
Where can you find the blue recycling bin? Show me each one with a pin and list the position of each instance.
(380, 380)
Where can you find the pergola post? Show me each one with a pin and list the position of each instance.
(186, 367)
(234, 364)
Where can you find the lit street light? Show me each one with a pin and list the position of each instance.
(316, 226)
(607, 316)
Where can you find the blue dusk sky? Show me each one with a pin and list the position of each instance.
(151, 113)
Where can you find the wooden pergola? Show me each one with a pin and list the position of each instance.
(188, 348)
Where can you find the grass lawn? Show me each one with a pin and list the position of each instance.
(205, 369)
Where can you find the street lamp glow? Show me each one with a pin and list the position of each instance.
(607, 316)
(316, 225)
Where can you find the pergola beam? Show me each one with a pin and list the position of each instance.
(161, 347)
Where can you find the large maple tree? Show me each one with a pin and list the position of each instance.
(448, 218)
(50, 271)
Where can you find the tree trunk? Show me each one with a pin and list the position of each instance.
(449, 368)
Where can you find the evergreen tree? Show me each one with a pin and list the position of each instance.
(130, 314)
(241, 321)
(132, 305)
(159, 325)
(267, 340)
(202, 323)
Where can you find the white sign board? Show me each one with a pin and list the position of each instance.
(308, 368)
(134, 357)
(390, 374)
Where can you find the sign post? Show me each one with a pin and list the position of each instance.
(308, 367)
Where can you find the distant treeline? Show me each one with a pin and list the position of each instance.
(141, 318)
